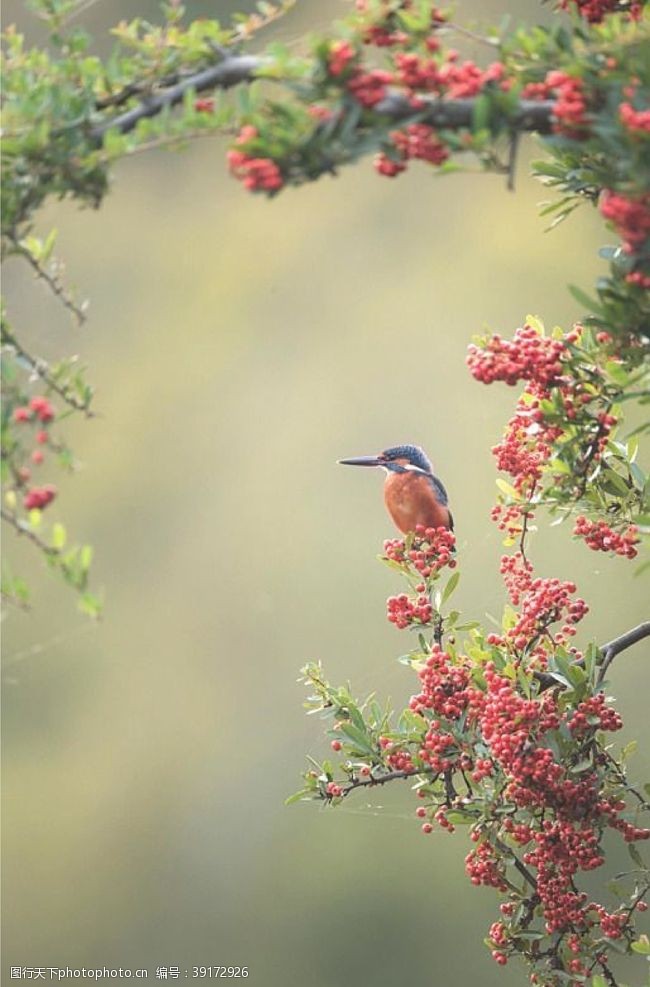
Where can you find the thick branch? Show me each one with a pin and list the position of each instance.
(235, 69)
(622, 643)
(226, 73)
(456, 114)
(608, 652)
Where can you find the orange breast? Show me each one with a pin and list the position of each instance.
(410, 500)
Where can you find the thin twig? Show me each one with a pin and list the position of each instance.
(52, 282)
(371, 780)
(524, 529)
(521, 867)
(480, 38)
(22, 528)
(170, 140)
(512, 160)
(81, 8)
(41, 367)
(620, 774)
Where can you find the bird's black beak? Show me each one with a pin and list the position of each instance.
(362, 461)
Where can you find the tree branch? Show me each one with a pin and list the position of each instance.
(22, 529)
(234, 69)
(619, 644)
(41, 368)
(608, 652)
(370, 781)
(52, 281)
(228, 72)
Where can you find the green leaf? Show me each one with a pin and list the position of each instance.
(635, 855)
(85, 556)
(590, 303)
(507, 489)
(358, 737)
(481, 113)
(58, 536)
(451, 586)
(642, 946)
(298, 796)
(90, 604)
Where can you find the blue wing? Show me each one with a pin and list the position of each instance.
(441, 493)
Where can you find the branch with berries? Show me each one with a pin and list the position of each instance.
(508, 731)
(29, 447)
(385, 82)
(507, 735)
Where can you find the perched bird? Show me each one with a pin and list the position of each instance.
(412, 494)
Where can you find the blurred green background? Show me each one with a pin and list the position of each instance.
(239, 347)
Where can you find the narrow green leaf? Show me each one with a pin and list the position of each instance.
(451, 586)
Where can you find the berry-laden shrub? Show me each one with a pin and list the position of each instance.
(509, 733)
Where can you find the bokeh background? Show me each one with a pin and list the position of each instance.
(239, 347)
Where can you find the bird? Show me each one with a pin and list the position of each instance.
(412, 493)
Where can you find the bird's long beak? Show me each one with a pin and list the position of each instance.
(362, 461)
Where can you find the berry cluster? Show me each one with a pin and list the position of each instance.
(594, 712)
(404, 611)
(429, 551)
(545, 602)
(600, 537)
(39, 497)
(527, 444)
(595, 11)
(417, 142)
(517, 573)
(340, 57)
(444, 685)
(570, 109)
(485, 866)
(39, 408)
(638, 278)
(39, 411)
(528, 356)
(636, 121)
(509, 519)
(367, 87)
(254, 173)
(630, 217)
(397, 758)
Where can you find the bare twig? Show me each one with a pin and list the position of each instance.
(473, 35)
(22, 528)
(516, 862)
(371, 780)
(52, 281)
(512, 160)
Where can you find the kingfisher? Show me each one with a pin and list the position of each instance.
(412, 493)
